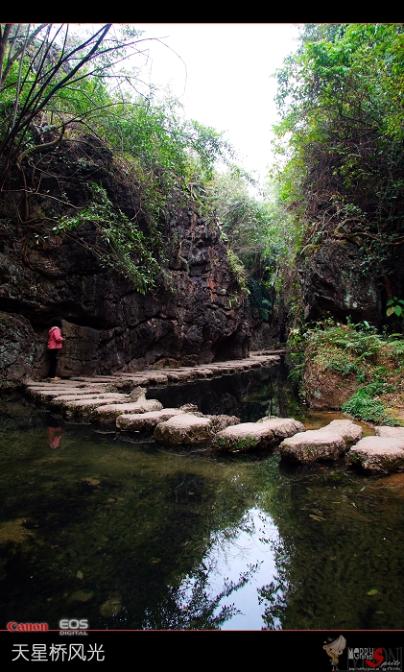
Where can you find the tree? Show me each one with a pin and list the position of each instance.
(339, 97)
(50, 79)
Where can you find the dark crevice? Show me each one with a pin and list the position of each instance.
(41, 316)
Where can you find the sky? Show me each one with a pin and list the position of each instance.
(223, 75)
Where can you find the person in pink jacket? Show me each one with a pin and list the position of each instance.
(55, 344)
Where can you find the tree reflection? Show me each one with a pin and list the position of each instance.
(190, 606)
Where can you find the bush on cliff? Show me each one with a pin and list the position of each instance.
(361, 370)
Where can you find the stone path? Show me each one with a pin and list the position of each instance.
(119, 400)
(104, 399)
(126, 381)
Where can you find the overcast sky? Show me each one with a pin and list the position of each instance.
(228, 80)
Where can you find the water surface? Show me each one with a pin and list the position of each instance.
(130, 534)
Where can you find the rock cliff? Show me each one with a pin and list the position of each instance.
(197, 312)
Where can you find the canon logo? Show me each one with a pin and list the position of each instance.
(13, 626)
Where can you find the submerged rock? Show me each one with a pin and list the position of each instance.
(326, 443)
(14, 531)
(112, 606)
(246, 436)
(81, 596)
(378, 454)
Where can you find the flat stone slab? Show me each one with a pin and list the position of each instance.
(347, 429)
(63, 399)
(186, 428)
(327, 443)
(390, 432)
(378, 454)
(80, 396)
(145, 421)
(84, 407)
(266, 433)
(108, 414)
(95, 378)
(175, 376)
(45, 395)
(155, 377)
(313, 445)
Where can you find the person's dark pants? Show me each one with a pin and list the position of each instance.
(53, 362)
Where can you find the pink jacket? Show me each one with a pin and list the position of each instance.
(55, 339)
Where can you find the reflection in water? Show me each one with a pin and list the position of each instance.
(242, 557)
(135, 535)
(55, 432)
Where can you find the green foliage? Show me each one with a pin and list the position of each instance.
(260, 298)
(181, 151)
(395, 306)
(356, 351)
(260, 234)
(238, 270)
(123, 247)
(340, 139)
(358, 340)
(295, 355)
(363, 405)
(57, 86)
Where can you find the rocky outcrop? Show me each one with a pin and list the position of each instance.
(378, 454)
(196, 313)
(328, 443)
(333, 283)
(325, 389)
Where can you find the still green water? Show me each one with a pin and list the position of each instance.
(129, 534)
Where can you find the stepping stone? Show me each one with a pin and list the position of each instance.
(145, 421)
(177, 376)
(136, 379)
(390, 432)
(349, 430)
(186, 428)
(246, 436)
(155, 377)
(94, 379)
(327, 443)
(378, 454)
(220, 422)
(46, 395)
(61, 400)
(108, 414)
(204, 372)
(313, 445)
(85, 407)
